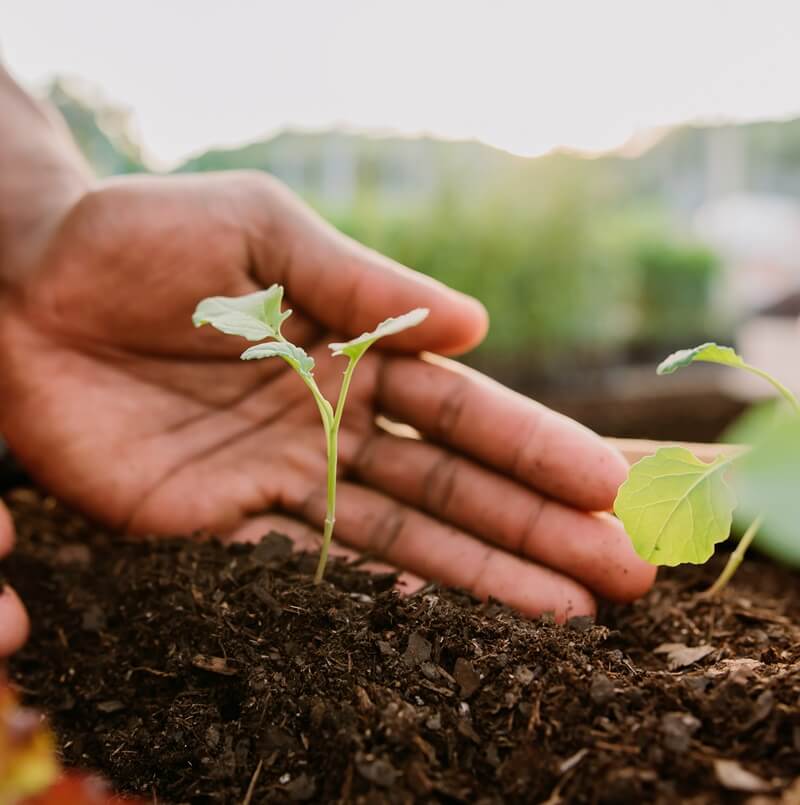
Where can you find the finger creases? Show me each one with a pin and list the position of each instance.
(591, 548)
(405, 537)
(458, 407)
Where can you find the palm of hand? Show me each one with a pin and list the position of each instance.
(118, 405)
(157, 426)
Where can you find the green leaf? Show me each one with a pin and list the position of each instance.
(767, 482)
(296, 357)
(272, 308)
(675, 507)
(713, 353)
(254, 316)
(356, 347)
(708, 353)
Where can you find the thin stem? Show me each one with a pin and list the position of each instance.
(325, 408)
(785, 393)
(348, 375)
(332, 436)
(735, 558)
(331, 428)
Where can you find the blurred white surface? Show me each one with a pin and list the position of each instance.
(771, 343)
(758, 238)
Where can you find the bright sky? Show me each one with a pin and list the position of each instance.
(525, 75)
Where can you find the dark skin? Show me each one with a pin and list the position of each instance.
(115, 403)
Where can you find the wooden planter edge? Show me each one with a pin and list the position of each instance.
(635, 449)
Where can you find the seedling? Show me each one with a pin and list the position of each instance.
(676, 508)
(258, 317)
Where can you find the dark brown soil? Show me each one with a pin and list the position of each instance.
(187, 672)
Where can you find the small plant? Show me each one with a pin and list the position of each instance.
(258, 316)
(676, 508)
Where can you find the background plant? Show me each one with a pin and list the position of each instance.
(676, 508)
(564, 283)
(577, 260)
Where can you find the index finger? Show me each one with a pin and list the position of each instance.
(465, 410)
(348, 287)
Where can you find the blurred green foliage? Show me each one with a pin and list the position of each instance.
(675, 286)
(102, 131)
(576, 259)
(559, 277)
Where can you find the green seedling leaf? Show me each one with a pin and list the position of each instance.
(254, 316)
(713, 353)
(708, 353)
(272, 308)
(767, 482)
(675, 507)
(296, 357)
(356, 347)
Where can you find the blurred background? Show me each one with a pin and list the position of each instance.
(613, 180)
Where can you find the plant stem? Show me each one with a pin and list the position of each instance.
(735, 558)
(348, 376)
(332, 439)
(331, 428)
(785, 393)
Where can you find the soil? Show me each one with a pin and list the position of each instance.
(192, 672)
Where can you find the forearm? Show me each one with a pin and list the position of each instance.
(41, 173)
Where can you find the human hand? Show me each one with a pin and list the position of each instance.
(114, 402)
(13, 620)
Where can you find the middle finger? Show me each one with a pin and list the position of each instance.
(592, 548)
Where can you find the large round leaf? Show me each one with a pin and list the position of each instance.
(675, 507)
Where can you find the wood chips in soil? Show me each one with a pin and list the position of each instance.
(190, 672)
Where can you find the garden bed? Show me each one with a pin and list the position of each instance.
(188, 672)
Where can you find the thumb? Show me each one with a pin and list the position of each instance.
(348, 287)
(13, 620)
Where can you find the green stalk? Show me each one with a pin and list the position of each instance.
(784, 392)
(332, 439)
(348, 376)
(735, 558)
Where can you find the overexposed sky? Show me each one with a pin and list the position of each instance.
(524, 75)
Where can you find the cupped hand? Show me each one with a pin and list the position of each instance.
(115, 403)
